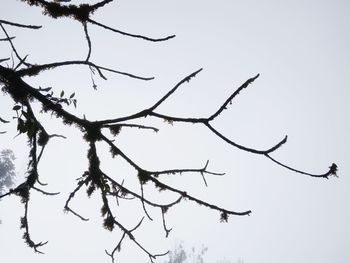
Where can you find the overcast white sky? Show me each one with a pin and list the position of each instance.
(302, 51)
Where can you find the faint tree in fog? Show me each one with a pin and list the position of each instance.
(7, 170)
(180, 255)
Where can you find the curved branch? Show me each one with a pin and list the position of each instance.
(3, 121)
(44, 192)
(26, 236)
(128, 34)
(332, 169)
(88, 41)
(275, 147)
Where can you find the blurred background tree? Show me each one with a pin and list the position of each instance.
(181, 255)
(7, 169)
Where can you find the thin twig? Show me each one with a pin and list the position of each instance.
(131, 126)
(36, 69)
(44, 192)
(128, 34)
(12, 45)
(332, 169)
(88, 40)
(71, 195)
(229, 99)
(19, 25)
(7, 39)
(148, 111)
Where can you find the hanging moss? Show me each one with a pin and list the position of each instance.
(115, 129)
(90, 189)
(23, 193)
(43, 138)
(23, 223)
(92, 132)
(114, 151)
(104, 210)
(108, 223)
(18, 95)
(160, 186)
(56, 10)
(31, 178)
(143, 176)
(223, 217)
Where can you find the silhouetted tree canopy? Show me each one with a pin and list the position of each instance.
(15, 73)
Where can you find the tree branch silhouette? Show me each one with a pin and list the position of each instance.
(94, 179)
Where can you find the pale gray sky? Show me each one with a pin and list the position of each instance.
(302, 51)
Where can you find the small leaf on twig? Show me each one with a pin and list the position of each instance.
(16, 107)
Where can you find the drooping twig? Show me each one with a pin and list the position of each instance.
(88, 41)
(129, 34)
(3, 121)
(143, 202)
(244, 148)
(26, 235)
(44, 192)
(332, 169)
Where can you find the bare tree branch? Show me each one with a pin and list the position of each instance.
(36, 69)
(129, 34)
(94, 179)
(19, 25)
(332, 169)
(88, 41)
(229, 99)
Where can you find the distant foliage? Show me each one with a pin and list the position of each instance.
(7, 169)
(180, 255)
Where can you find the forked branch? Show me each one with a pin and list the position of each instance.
(94, 179)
